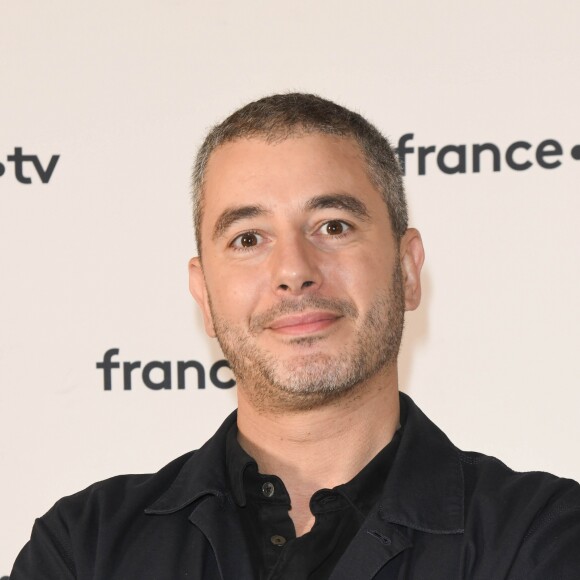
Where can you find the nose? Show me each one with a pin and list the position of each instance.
(295, 267)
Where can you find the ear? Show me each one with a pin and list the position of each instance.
(412, 257)
(198, 290)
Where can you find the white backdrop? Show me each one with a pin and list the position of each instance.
(94, 259)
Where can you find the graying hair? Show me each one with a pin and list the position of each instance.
(279, 117)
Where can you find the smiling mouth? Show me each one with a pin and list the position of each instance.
(304, 323)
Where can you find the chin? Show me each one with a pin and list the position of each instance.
(313, 373)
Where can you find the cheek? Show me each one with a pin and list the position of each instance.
(235, 293)
(360, 275)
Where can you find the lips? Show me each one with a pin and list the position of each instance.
(304, 323)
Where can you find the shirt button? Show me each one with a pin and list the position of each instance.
(268, 491)
(278, 540)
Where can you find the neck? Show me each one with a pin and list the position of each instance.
(321, 447)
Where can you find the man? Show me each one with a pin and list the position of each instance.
(306, 266)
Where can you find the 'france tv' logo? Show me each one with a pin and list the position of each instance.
(26, 166)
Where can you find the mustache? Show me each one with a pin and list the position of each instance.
(337, 306)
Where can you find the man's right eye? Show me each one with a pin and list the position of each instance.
(246, 240)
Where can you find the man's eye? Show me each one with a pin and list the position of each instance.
(334, 228)
(246, 240)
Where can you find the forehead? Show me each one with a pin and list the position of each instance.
(303, 152)
(257, 171)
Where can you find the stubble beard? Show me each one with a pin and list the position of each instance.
(312, 380)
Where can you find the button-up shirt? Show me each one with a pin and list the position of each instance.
(442, 514)
(264, 504)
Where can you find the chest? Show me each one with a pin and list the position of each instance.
(211, 544)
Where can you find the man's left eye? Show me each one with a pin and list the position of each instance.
(334, 228)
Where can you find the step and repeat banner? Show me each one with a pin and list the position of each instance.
(104, 365)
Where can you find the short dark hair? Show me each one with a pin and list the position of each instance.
(279, 117)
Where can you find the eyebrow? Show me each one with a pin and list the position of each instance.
(339, 201)
(232, 215)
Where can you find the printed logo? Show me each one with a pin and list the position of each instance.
(451, 159)
(160, 375)
(25, 166)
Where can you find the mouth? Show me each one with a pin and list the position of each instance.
(304, 323)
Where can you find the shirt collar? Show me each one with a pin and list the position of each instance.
(424, 490)
(204, 473)
(237, 460)
(363, 490)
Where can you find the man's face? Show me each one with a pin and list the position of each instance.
(301, 279)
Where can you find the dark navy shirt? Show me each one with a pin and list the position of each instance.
(264, 505)
(441, 514)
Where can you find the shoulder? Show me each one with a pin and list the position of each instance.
(488, 477)
(513, 525)
(119, 494)
(70, 533)
(535, 515)
(486, 481)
